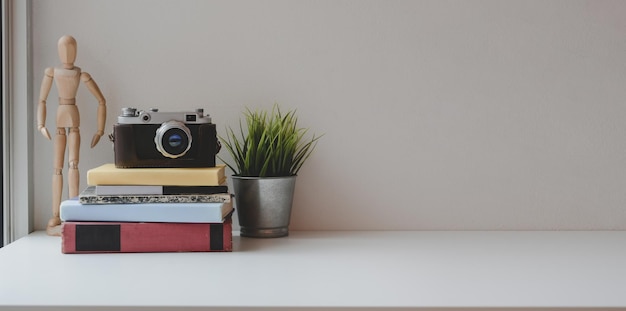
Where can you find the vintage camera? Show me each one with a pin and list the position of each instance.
(164, 139)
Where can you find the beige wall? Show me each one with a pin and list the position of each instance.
(437, 114)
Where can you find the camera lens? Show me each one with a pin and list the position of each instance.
(173, 139)
(175, 142)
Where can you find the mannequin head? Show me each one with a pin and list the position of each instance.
(67, 51)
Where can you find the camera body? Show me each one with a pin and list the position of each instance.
(164, 139)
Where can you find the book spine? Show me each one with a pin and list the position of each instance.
(172, 190)
(157, 190)
(135, 237)
(136, 199)
(115, 190)
(109, 175)
(72, 210)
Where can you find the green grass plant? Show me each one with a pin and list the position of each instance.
(269, 144)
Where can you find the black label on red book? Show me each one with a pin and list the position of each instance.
(217, 237)
(98, 238)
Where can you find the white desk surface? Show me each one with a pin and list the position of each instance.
(327, 270)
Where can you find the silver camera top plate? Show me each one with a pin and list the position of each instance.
(154, 116)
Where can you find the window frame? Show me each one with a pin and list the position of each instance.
(4, 212)
(17, 121)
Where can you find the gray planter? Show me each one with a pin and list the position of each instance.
(263, 205)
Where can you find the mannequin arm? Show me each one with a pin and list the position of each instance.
(46, 84)
(102, 109)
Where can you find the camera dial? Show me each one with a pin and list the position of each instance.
(129, 112)
(173, 139)
(144, 116)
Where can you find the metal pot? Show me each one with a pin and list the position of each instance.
(263, 205)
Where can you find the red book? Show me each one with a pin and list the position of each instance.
(144, 237)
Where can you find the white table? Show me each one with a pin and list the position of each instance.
(326, 270)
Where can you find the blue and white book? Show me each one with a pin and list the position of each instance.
(73, 210)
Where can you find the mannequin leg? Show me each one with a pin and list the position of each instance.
(60, 141)
(73, 141)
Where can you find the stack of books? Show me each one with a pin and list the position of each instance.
(149, 210)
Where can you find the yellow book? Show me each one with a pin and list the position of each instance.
(108, 174)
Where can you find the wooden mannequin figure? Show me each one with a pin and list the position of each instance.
(67, 78)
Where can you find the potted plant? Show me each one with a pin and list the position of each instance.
(267, 153)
